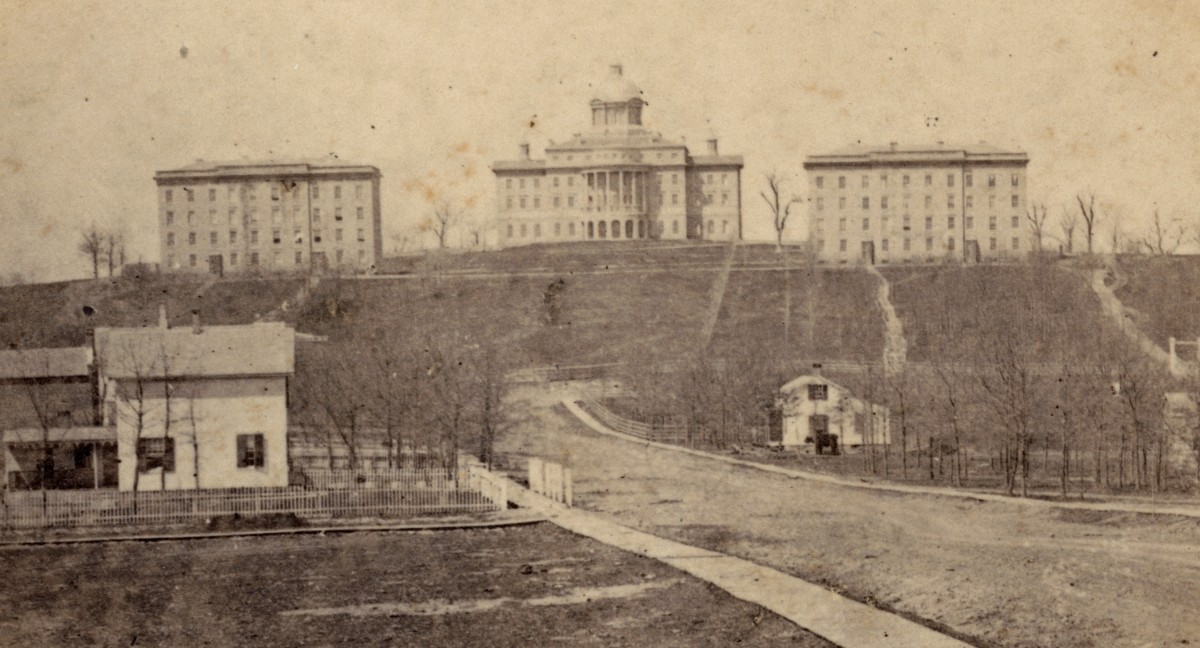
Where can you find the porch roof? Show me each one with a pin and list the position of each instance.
(61, 435)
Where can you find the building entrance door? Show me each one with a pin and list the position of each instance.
(868, 252)
(216, 265)
(971, 251)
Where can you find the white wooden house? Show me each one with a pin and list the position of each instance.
(815, 410)
(197, 407)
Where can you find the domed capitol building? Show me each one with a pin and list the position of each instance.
(618, 181)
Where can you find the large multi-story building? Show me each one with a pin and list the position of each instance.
(917, 204)
(216, 217)
(618, 181)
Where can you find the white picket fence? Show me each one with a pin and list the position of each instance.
(551, 480)
(325, 495)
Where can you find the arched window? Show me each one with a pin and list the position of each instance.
(603, 233)
(616, 229)
(641, 229)
(628, 229)
(591, 229)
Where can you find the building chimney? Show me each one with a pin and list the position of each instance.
(816, 368)
(893, 146)
(615, 69)
(196, 328)
(524, 150)
(162, 316)
(712, 146)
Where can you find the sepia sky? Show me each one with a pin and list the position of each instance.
(95, 97)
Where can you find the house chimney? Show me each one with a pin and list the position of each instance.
(162, 316)
(816, 368)
(615, 69)
(712, 146)
(196, 328)
(524, 150)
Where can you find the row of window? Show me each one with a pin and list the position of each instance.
(906, 180)
(159, 453)
(523, 203)
(276, 237)
(674, 155)
(969, 222)
(536, 182)
(602, 229)
(883, 202)
(278, 190)
(254, 259)
(276, 215)
(993, 244)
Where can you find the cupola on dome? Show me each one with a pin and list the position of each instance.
(616, 88)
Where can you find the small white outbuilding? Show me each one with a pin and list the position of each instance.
(815, 410)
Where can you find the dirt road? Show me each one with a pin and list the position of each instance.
(999, 574)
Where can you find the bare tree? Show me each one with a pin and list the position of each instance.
(1165, 237)
(1037, 224)
(444, 217)
(1068, 222)
(780, 206)
(1090, 218)
(114, 250)
(91, 245)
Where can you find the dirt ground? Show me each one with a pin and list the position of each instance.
(994, 573)
(518, 586)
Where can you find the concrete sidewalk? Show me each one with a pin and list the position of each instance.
(1113, 507)
(841, 620)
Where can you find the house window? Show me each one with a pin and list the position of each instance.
(883, 202)
(883, 179)
(508, 202)
(950, 244)
(820, 204)
(818, 392)
(169, 195)
(191, 238)
(191, 195)
(276, 238)
(337, 235)
(1016, 243)
(842, 202)
(362, 235)
(866, 224)
(170, 218)
(358, 191)
(337, 192)
(970, 222)
(316, 236)
(865, 182)
(233, 258)
(950, 201)
(558, 229)
(571, 201)
(928, 244)
(232, 237)
(866, 202)
(950, 180)
(337, 213)
(524, 231)
(557, 201)
(928, 202)
(522, 202)
(299, 257)
(316, 214)
(883, 245)
(157, 452)
(537, 202)
(841, 182)
(970, 202)
(842, 245)
(928, 180)
(967, 180)
(841, 224)
(950, 222)
(212, 238)
(274, 193)
(991, 179)
(1016, 222)
(250, 451)
(992, 243)
(991, 222)
(904, 181)
(254, 258)
(907, 245)
(191, 216)
(521, 183)
(537, 230)
(510, 231)
(820, 184)
(674, 199)
(170, 238)
(316, 191)
(1016, 181)
(508, 183)
(929, 222)
(571, 229)
(1016, 200)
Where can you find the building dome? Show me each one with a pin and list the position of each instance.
(615, 88)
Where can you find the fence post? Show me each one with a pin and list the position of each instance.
(568, 487)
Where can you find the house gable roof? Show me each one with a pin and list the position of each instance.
(28, 364)
(261, 349)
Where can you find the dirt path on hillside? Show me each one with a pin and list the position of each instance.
(1006, 574)
(1120, 314)
(895, 347)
